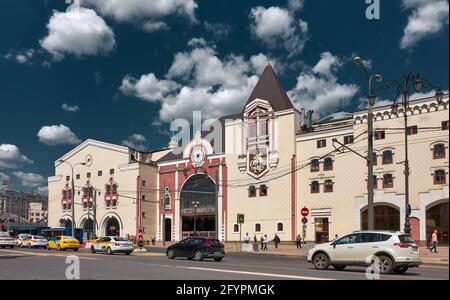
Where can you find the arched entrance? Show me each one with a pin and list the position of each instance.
(88, 229)
(437, 219)
(385, 218)
(198, 214)
(65, 223)
(112, 227)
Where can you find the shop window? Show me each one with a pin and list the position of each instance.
(315, 187)
(321, 143)
(280, 227)
(388, 181)
(439, 151)
(380, 135)
(348, 139)
(263, 190)
(387, 157)
(328, 186)
(440, 177)
(328, 164)
(252, 191)
(257, 227)
(315, 166)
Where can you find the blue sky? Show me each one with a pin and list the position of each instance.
(119, 71)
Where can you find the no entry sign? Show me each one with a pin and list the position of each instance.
(304, 211)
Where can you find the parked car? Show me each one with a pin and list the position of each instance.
(197, 248)
(62, 243)
(396, 251)
(36, 241)
(111, 245)
(21, 239)
(6, 240)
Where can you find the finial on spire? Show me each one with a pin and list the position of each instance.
(269, 61)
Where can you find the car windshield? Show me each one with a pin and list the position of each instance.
(120, 239)
(405, 238)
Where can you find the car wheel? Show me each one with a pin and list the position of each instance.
(198, 256)
(321, 261)
(109, 251)
(75, 249)
(400, 270)
(339, 267)
(386, 264)
(127, 253)
(92, 249)
(170, 254)
(12, 247)
(218, 259)
(59, 248)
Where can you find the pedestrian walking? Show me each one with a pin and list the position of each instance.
(434, 241)
(262, 242)
(298, 241)
(276, 240)
(265, 243)
(153, 241)
(246, 239)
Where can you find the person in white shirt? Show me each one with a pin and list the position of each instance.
(247, 238)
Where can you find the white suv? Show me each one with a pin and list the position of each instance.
(395, 251)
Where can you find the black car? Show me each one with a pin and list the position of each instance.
(197, 248)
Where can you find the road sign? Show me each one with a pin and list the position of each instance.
(140, 244)
(304, 220)
(240, 218)
(304, 211)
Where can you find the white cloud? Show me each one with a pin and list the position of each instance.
(136, 141)
(30, 179)
(11, 157)
(57, 135)
(4, 178)
(199, 80)
(148, 87)
(296, 4)
(318, 89)
(42, 190)
(22, 56)
(428, 17)
(277, 26)
(130, 10)
(70, 108)
(79, 32)
(219, 30)
(153, 26)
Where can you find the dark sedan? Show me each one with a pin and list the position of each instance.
(197, 248)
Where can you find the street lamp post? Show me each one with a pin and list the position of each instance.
(403, 87)
(195, 204)
(371, 99)
(73, 192)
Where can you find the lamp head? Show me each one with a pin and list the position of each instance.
(394, 108)
(418, 84)
(358, 61)
(439, 96)
(378, 77)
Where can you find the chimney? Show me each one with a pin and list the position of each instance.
(310, 118)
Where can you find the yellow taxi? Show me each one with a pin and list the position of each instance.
(62, 243)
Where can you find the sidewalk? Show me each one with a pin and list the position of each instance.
(440, 258)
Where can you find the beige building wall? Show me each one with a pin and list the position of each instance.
(343, 206)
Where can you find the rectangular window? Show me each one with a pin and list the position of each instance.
(348, 139)
(375, 182)
(252, 191)
(387, 157)
(252, 131)
(67, 178)
(328, 186)
(388, 181)
(440, 177)
(380, 135)
(412, 130)
(315, 167)
(321, 143)
(444, 125)
(88, 175)
(315, 187)
(144, 182)
(374, 159)
(77, 176)
(100, 173)
(263, 190)
(439, 151)
(111, 172)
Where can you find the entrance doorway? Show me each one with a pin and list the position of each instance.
(112, 227)
(168, 230)
(385, 218)
(437, 219)
(322, 230)
(88, 229)
(198, 206)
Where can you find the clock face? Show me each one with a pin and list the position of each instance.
(88, 160)
(198, 156)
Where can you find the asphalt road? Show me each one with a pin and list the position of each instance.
(35, 264)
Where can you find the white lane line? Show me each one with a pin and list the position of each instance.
(258, 274)
(46, 255)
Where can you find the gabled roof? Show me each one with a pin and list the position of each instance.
(269, 88)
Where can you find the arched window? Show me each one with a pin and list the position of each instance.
(328, 186)
(252, 191)
(280, 227)
(440, 177)
(257, 227)
(263, 190)
(388, 157)
(315, 165)
(66, 200)
(315, 187)
(111, 195)
(328, 164)
(88, 196)
(236, 228)
(388, 181)
(439, 151)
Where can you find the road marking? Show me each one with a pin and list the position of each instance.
(258, 274)
(46, 254)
